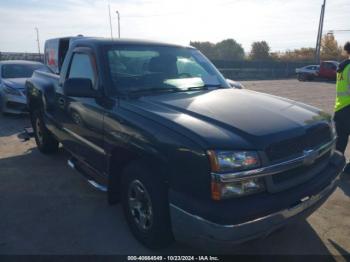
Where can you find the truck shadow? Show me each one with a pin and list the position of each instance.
(345, 184)
(12, 124)
(295, 239)
(50, 209)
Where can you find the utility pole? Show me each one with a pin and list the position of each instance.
(110, 19)
(118, 23)
(319, 35)
(37, 39)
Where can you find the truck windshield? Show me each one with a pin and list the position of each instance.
(18, 70)
(159, 68)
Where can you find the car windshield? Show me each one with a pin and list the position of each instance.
(161, 68)
(19, 70)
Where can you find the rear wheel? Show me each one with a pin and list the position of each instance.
(146, 206)
(45, 141)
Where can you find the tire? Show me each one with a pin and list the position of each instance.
(154, 231)
(302, 77)
(45, 141)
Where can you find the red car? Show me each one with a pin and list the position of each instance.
(327, 70)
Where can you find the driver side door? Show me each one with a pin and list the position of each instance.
(82, 117)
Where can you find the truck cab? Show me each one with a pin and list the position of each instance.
(190, 158)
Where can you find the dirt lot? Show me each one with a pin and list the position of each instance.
(46, 208)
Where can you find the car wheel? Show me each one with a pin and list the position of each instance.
(303, 77)
(45, 141)
(146, 206)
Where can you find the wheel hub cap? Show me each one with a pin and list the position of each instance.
(140, 205)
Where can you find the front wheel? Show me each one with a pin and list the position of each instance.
(302, 77)
(45, 141)
(146, 206)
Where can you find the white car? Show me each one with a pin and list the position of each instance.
(13, 75)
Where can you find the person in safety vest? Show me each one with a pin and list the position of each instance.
(342, 104)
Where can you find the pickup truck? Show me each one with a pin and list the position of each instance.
(326, 70)
(189, 157)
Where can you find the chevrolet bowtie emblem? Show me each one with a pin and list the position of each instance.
(310, 157)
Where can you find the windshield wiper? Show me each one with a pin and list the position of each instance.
(205, 87)
(154, 89)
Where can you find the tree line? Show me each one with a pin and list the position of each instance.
(231, 50)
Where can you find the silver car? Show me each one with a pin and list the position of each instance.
(307, 72)
(13, 75)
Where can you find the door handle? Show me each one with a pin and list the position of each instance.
(61, 102)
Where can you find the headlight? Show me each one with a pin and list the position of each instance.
(228, 161)
(11, 91)
(241, 188)
(234, 161)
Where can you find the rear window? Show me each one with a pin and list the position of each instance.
(18, 70)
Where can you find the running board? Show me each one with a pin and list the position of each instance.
(93, 183)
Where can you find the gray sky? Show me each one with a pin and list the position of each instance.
(284, 24)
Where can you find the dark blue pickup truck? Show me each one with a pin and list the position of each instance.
(190, 157)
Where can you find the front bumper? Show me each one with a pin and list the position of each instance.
(13, 104)
(198, 231)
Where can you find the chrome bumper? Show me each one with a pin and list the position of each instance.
(200, 232)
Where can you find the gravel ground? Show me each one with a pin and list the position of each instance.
(46, 208)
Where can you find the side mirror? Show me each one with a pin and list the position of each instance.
(79, 87)
(235, 84)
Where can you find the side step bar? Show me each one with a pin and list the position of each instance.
(72, 164)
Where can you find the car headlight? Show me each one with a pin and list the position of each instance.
(229, 161)
(223, 162)
(248, 186)
(11, 91)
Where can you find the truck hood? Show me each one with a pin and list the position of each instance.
(17, 83)
(230, 118)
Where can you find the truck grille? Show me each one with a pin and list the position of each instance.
(297, 172)
(313, 138)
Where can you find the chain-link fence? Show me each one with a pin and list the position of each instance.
(21, 56)
(237, 70)
(254, 70)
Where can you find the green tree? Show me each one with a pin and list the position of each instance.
(207, 48)
(260, 51)
(229, 49)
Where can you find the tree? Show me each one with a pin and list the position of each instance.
(207, 48)
(229, 49)
(303, 54)
(260, 51)
(330, 49)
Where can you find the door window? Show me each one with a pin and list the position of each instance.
(81, 67)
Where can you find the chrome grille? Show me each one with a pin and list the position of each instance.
(314, 137)
(297, 172)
